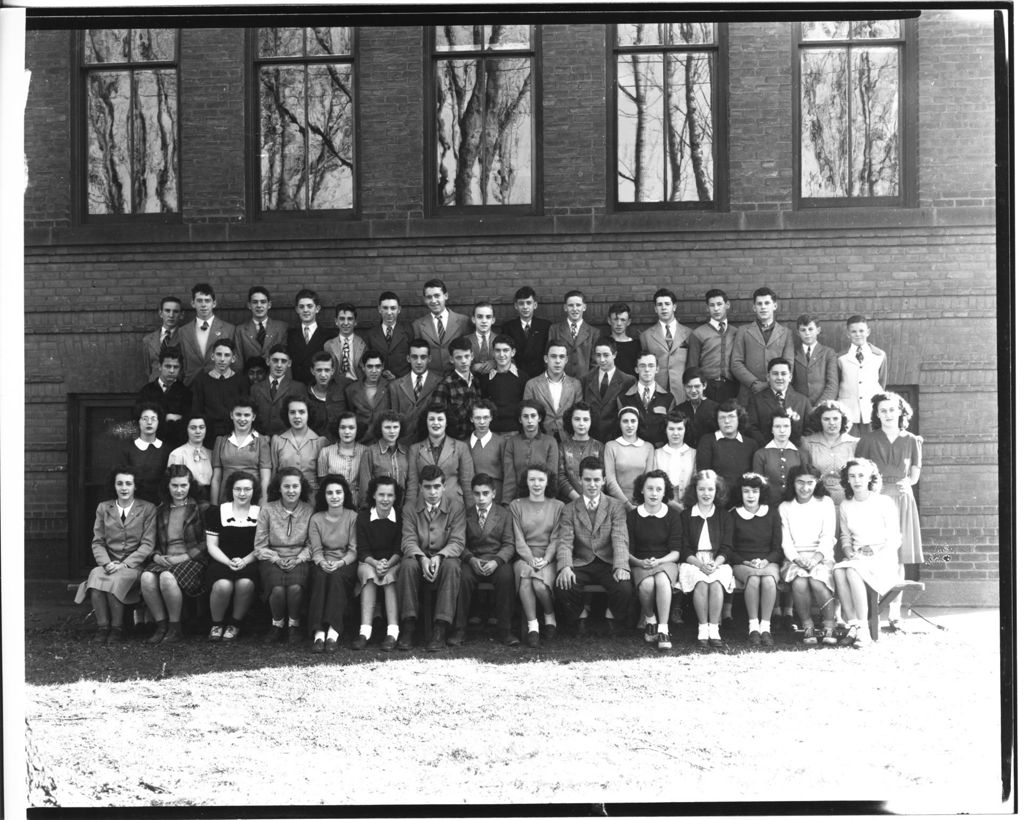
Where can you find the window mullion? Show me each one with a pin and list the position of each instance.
(666, 124)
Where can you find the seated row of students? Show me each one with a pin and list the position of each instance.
(311, 561)
(733, 361)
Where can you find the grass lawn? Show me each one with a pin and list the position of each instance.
(913, 719)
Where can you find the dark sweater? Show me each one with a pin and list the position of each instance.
(758, 537)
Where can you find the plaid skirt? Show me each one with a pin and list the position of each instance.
(189, 575)
(271, 575)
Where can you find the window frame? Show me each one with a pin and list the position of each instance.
(719, 114)
(908, 76)
(432, 207)
(80, 141)
(253, 175)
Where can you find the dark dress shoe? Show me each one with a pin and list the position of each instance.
(508, 639)
(276, 634)
(437, 642)
(457, 638)
(547, 631)
(318, 646)
(294, 634)
(389, 643)
(405, 637)
(159, 633)
(702, 643)
(716, 643)
(331, 645)
(533, 639)
(360, 642)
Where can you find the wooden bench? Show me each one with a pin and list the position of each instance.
(875, 603)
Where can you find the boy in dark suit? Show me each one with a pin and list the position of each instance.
(529, 333)
(165, 336)
(602, 388)
(257, 336)
(780, 396)
(488, 556)
(270, 395)
(440, 326)
(390, 337)
(173, 398)
(309, 337)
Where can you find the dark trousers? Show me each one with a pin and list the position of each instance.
(620, 593)
(329, 594)
(504, 582)
(445, 586)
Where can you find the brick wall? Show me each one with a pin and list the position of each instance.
(926, 276)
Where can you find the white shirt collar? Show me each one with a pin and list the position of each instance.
(661, 513)
(375, 516)
(473, 439)
(511, 369)
(145, 445)
(719, 436)
(717, 324)
(311, 326)
(746, 515)
(624, 443)
(696, 513)
(771, 445)
(233, 438)
(125, 510)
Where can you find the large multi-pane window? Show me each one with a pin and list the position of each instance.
(306, 118)
(667, 79)
(483, 115)
(852, 112)
(131, 121)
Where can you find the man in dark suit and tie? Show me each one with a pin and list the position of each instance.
(257, 336)
(410, 395)
(309, 337)
(529, 334)
(440, 326)
(163, 337)
(274, 392)
(593, 548)
(602, 387)
(390, 337)
(490, 548)
(198, 337)
(779, 396)
(174, 399)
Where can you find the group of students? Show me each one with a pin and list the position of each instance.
(449, 454)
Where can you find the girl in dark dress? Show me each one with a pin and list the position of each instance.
(379, 551)
(232, 572)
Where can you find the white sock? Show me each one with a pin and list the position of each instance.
(713, 631)
(549, 619)
(293, 622)
(608, 614)
(663, 629)
(766, 626)
(752, 625)
(366, 630)
(533, 626)
(332, 633)
(788, 612)
(702, 632)
(318, 635)
(650, 619)
(393, 630)
(278, 622)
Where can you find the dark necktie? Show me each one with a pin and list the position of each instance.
(526, 329)
(440, 329)
(573, 330)
(668, 336)
(807, 352)
(387, 334)
(721, 328)
(417, 388)
(483, 518)
(204, 326)
(860, 355)
(261, 334)
(273, 388)
(647, 397)
(780, 399)
(344, 357)
(124, 517)
(604, 384)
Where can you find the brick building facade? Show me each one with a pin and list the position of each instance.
(924, 271)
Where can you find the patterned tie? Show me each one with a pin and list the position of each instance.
(305, 333)
(668, 336)
(780, 399)
(647, 397)
(483, 344)
(721, 328)
(204, 326)
(573, 330)
(387, 334)
(604, 384)
(860, 354)
(482, 515)
(273, 388)
(418, 387)
(440, 329)
(261, 334)
(807, 352)
(344, 357)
